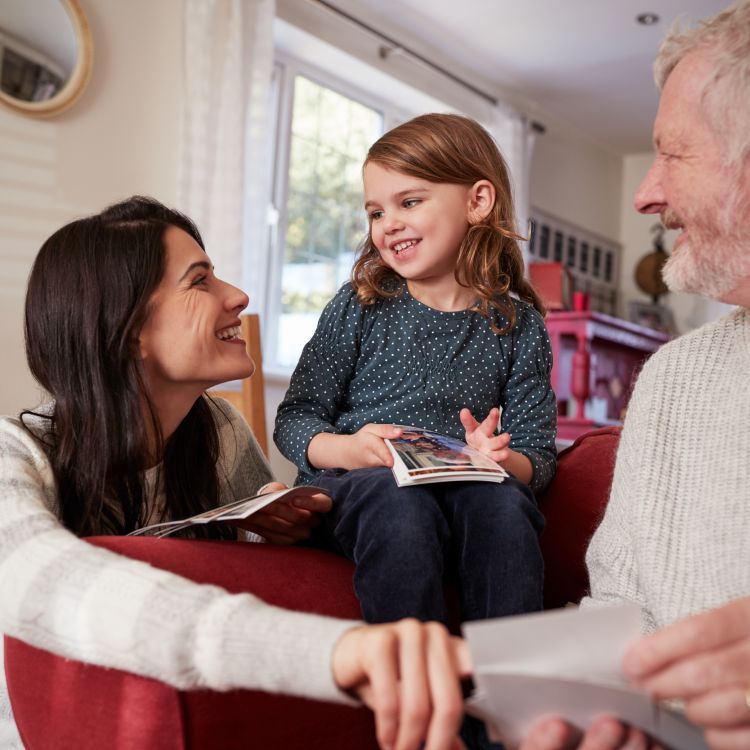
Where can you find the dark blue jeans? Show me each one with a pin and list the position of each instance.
(405, 542)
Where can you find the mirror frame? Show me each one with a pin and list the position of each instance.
(78, 78)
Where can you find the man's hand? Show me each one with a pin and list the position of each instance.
(289, 519)
(409, 674)
(703, 660)
(482, 437)
(605, 733)
(364, 449)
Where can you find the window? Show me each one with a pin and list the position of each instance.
(324, 131)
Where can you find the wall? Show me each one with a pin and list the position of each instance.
(689, 310)
(574, 179)
(120, 138)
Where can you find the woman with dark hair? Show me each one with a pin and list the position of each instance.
(126, 327)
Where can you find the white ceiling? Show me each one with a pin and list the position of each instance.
(582, 64)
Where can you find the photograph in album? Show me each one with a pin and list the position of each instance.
(422, 456)
(236, 511)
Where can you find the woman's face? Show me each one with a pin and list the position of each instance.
(191, 338)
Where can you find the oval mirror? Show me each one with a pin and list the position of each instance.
(45, 55)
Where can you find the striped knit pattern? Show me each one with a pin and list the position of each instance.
(66, 596)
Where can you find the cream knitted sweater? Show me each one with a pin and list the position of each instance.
(69, 597)
(676, 533)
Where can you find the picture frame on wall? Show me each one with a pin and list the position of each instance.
(648, 314)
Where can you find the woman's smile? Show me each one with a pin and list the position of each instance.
(230, 335)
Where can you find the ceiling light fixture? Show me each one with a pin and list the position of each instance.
(647, 19)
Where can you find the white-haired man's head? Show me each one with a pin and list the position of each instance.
(726, 93)
(700, 179)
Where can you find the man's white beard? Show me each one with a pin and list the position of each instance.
(714, 259)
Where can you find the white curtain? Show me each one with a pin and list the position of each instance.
(228, 62)
(515, 138)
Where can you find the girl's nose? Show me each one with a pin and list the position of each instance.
(393, 223)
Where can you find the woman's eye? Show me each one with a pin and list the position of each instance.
(199, 281)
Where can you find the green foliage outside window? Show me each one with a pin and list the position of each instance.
(330, 137)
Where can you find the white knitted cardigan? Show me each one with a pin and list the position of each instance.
(62, 594)
(676, 533)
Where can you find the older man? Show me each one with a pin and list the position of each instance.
(676, 533)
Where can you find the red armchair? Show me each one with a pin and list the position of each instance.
(68, 705)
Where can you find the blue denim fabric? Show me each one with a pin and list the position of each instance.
(405, 542)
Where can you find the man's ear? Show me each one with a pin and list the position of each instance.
(481, 201)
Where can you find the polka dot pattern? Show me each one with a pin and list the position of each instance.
(399, 361)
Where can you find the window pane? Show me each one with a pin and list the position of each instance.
(325, 218)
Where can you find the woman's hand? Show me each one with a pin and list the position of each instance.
(409, 674)
(365, 448)
(703, 660)
(289, 519)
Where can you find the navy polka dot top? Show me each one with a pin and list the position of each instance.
(400, 361)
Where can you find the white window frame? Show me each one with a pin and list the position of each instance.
(286, 68)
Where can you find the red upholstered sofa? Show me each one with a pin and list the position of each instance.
(67, 705)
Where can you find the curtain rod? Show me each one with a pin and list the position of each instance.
(396, 46)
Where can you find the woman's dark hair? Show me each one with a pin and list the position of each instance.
(87, 300)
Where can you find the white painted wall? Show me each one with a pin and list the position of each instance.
(120, 138)
(574, 179)
(689, 310)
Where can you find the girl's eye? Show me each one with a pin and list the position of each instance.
(374, 215)
(411, 202)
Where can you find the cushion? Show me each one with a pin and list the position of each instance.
(573, 506)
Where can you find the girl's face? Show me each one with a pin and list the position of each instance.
(191, 338)
(416, 225)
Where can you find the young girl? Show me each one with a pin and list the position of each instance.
(126, 326)
(436, 329)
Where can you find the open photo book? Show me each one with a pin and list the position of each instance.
(564, 663)
(422, 456)
(235, 511)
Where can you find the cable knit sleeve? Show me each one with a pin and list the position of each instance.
(64, 595)
(529, 405)
(611, 556)
(319, 385)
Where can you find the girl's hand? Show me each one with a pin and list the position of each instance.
(288, 519)
(367, 447)
(409, 674)
(364, 449)
(481, 435)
